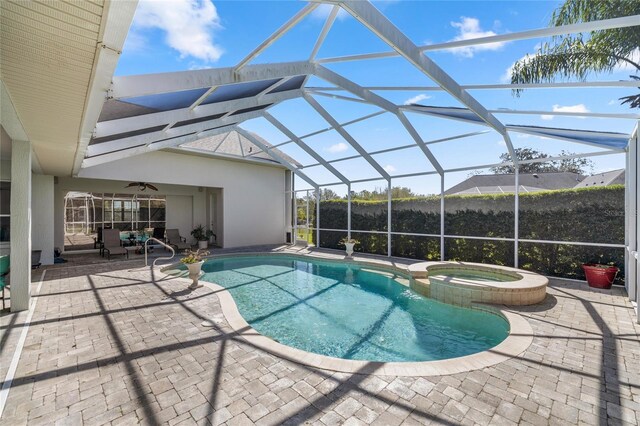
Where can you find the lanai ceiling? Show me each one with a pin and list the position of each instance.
(57, 59)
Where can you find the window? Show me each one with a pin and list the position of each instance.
(85, 212)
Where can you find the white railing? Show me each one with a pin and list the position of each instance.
(146, 249)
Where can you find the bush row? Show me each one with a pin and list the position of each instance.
(593, 215)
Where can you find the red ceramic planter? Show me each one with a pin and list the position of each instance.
(599, 276)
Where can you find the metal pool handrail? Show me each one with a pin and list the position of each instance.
(173, 252)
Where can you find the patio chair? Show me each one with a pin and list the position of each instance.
(112, 243)
(35, 258)
(4, 271)
(176, 241)
(98, 240)
(158, 233)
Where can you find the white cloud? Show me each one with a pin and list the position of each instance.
(626, 66)
(568, 108)
(188, 25)
(469, 28)
(416, 99)
(389, 168)
(571, 108)
(338, 147)
(506, 77)
(501, 142)
(197, 66)
(324, 10)
(135, 42)
(613, 102)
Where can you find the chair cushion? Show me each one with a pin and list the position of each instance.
(116, 250)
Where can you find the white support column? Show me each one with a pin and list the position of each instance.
(288, 197)
(349, 211)
(516, 216)
(442, 217)
(635, 261)
(628, 223)
(632, 233)
(389, 218)
(20, 231)
(307, 218)
(318, 218)
(294, 213)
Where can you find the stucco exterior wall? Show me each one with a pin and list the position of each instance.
(253, 194)
(42, 223)
(185, 204)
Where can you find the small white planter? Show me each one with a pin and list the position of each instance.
(194, 273)
(203, 244)
(349, 248)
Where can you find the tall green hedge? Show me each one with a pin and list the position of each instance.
(586, 214)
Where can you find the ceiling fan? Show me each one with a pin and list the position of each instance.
(142, 186)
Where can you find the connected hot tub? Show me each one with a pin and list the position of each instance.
(463, 283)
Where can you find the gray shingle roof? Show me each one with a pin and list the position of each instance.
(234, 144)
(614, 177)
(508, 189)
(531, 182)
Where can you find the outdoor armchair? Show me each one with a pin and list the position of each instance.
(4, 271)
(158, 234)
(176, 241)
(112, 243)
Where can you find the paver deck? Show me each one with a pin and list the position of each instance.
(117, 343)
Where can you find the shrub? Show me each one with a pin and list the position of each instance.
(587, 214)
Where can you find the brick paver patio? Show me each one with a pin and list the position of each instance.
(112, 343)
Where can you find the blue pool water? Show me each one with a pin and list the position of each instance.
(345, 311)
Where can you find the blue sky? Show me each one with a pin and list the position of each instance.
(180, 35)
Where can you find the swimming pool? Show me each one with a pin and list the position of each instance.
(348, 311)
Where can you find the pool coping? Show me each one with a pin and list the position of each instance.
(519, 339)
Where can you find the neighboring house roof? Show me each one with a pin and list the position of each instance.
(505, 183)
(479, 190)
(614, 177)
(234, 144)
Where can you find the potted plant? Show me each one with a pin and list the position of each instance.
(194, 261)
(599, 275)
(202, 236)
(349, 244)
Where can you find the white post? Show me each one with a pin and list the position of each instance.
(389, 218)
(349, 211)
(20, 228)
(635, 183)
(628, 226)
(318, 218)
(307, 218)
(442, 217)
(516, 216)
(632, 233)
(294, 213)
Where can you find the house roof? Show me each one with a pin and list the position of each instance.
(531, 182)
(613, 177)
(508, 189)
(237, 145)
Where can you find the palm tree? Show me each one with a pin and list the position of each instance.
(575, 56)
